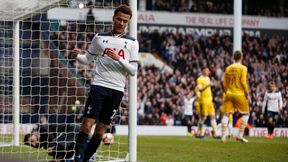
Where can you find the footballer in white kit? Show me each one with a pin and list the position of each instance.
(188, 112)
(109, 75)
(116, 55)
(274, 103)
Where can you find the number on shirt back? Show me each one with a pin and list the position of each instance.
(233, 79)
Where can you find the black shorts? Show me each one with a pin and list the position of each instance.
(102, 104)
(273, 115)
(188, 117)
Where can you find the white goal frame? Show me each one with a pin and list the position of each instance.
(15, 17)
(16, 84)
(132, 92)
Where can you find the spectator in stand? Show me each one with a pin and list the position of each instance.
(78, 109)
(161, 5)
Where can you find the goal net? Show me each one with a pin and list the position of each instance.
(48, 87)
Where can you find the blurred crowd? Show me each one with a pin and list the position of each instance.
(96, 3)
(191, 6)
(271, 9)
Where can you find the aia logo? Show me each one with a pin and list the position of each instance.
(120, 52)
(146, 18)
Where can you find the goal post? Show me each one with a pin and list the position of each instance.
(133, 93)
(40, 84)
(16, 84)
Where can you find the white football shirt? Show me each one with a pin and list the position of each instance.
(273, 101)
(188, 106)
(108, 72)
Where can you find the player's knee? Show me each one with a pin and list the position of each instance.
(227, 114)
(202, 121)
(86, 129)
(270, 120)
(98, 133)
(86, 126)
(212, 117)
(100, 129)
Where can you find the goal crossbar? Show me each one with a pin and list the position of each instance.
(16, 9)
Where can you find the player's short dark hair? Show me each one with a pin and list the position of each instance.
(204, 67)
(26, 139)
(124, 9)
(237, 55)
(272, 83)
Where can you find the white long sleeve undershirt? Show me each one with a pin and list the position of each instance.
(85, 59)
(131, 68)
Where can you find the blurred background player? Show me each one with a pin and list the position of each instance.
(206, 102)
(197, 110)
(273, 101)
(188, 111)
(236, 95)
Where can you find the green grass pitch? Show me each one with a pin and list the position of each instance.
(186, 149)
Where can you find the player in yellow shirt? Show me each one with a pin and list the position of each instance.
(236, 95)
(197, 108)
(206, 102)
(230, 121)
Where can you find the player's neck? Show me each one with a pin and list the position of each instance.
(205, 76)
(115, 33)
(238, 62)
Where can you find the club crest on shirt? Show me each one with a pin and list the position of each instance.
(89, 108)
